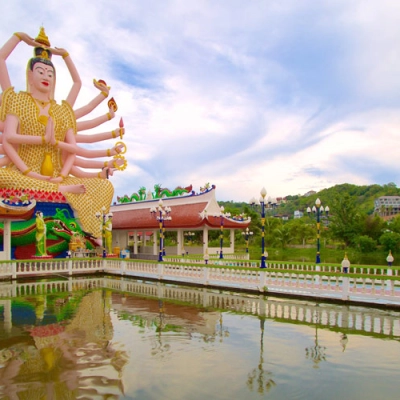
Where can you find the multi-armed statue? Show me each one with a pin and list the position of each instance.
(41, 141)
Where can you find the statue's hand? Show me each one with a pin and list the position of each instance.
(101, 86)
(49, 134)
(57, 51)
(106, 172)
(59, 179)
(118, 149)
(28, 40)
(38, 176)
(118, 162)
(112, 112)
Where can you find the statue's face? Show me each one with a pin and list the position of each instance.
(42, 78)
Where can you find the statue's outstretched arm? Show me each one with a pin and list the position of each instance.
(80, 151)
(92, 123)
(105, 90)
(98, 137)
(77, 83)
(10, 127)
(85, 163)
(6, 50)
(103, 174)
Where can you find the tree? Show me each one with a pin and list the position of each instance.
(271, 223)
(282, 236)
(394, 224)
(301, 230)
(374, 226)
(366, 244)
(346, 221)
(390, 241)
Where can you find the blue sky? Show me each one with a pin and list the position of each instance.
(288, 95)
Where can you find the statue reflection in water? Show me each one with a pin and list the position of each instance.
(259, 379)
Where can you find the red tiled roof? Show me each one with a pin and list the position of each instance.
(186, 212)
(184, 216)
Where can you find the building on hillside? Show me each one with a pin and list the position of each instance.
(387, 207)
(298, 214)
(310, 193)
(283, 217)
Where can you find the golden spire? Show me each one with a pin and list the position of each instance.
(42, 37)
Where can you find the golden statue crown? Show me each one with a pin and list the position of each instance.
(42, 37)
(42, 52)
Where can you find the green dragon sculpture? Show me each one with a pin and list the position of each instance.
(160, 192)
(60, 229)
(139, 196)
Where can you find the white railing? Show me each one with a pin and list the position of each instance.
(382, 288)
(330, 268)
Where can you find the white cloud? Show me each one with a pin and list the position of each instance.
(292, 96)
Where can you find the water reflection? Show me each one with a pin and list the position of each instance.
(45, 359)
(316, 352)
(92, 338)
(259, 378)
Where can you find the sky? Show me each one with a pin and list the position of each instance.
(288, 95)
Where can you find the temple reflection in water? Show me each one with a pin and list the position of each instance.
(100, 337)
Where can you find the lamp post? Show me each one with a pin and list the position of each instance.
(247, 233)
(101, 216)
(162, 213)
(318, 210)
(221, 215)
(255, 205)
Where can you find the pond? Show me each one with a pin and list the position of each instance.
(102, 337)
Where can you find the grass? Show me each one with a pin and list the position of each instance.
(327, 255)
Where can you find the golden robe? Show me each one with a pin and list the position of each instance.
(99, 192)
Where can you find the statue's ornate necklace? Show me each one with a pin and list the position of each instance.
(42, 103)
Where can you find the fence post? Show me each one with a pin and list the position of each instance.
(69, 266)
(160, 270)
(262, 286)
(122, 267)
(14, 270)
(206, 275)
(345, 288)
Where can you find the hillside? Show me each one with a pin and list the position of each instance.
(364, 197)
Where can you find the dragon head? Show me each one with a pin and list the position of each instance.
(67, 227)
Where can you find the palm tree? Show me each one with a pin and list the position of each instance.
(282, 236)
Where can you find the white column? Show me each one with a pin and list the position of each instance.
(205, 239)
(180, 241)
(135, 242)
(232, 239)
(156, 250)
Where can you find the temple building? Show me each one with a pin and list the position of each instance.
(134, 222)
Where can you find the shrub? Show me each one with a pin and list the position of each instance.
(366, 244)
